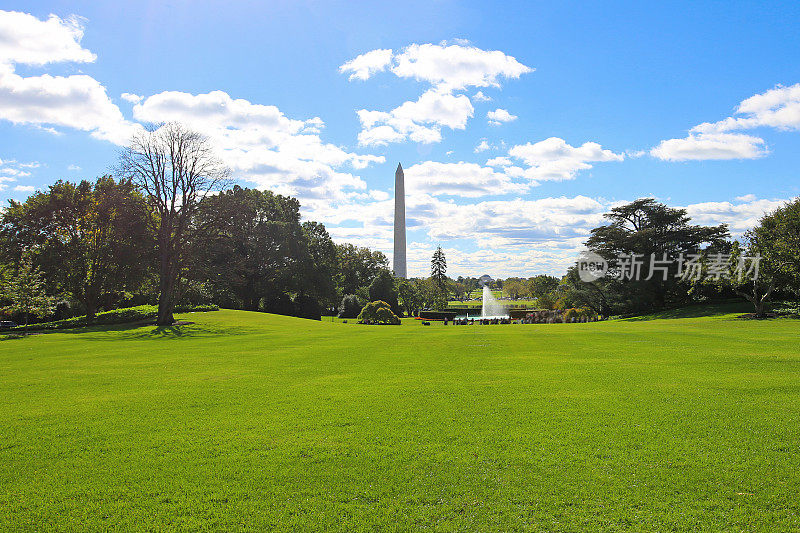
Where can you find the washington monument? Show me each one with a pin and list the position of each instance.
(399, 223)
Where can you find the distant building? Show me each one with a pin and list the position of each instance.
(486, 279)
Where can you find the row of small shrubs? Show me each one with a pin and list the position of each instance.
(125, 315)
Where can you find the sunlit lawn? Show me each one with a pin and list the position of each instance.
(253, 421)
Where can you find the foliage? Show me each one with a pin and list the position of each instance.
(439, 267)
(26, 291)
(776, 239)
(378, 312)
(177, 169)
(410, 296)
(350, 307)
(358, 267)
(306, 306)
(89, 239)
(542, 285)
(383, 288)
(653, 231)
(256, 248)
(321, 266)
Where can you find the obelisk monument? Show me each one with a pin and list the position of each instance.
(399, 223)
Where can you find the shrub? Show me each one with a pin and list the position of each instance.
(350, 306)
(378, 312)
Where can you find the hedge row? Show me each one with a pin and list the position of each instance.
(117, 316)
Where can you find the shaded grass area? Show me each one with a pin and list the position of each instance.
(252, 421)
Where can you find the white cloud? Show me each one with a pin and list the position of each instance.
(24, 188)
(27, 40)
(777, 108)
(704, 146)
(365, 65)
(419, 121)
(77, 101)
(480, 97)
(554, 160)
(448, 69)
(739, 216)
(73, 168)
(467, 180)
(498, 116)
(513, 237)
(132, 98)
(457, 67)
(482, 146)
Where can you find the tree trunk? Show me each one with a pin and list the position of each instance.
(91, 309)
(166, 297)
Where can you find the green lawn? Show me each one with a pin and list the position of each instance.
(252, 421)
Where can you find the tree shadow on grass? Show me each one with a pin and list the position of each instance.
(180, 331)
(148, 330)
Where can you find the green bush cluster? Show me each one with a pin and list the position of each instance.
(578, 314)
(117, 316)
(378, 312)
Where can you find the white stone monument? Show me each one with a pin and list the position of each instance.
(399, 223)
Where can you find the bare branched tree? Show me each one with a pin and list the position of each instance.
(175, 168)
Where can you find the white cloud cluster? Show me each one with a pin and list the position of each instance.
(261, 144)
(12, 170)
(365, 65)
(448, 69)
(740, 216)
(77, 101)
(27, 40)
(499, 116)
(776, 108)
(420, 121)
(553, 159)
(467, 180)
(705, 146)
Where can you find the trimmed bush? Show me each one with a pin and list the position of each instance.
(378, 312)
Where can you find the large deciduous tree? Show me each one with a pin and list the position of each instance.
(257, 250)
(89, 239)
(176, 168)
(357, 268)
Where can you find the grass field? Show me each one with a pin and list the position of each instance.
(253, 421)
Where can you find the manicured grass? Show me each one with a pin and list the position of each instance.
(251, 421)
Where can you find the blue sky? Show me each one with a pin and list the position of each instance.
(593, 104)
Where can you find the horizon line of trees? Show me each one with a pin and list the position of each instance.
(169, 228)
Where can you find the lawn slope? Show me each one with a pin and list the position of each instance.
(252, 421)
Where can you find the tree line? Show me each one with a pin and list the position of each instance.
(169, 228)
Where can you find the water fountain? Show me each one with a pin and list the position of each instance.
(491, 307)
